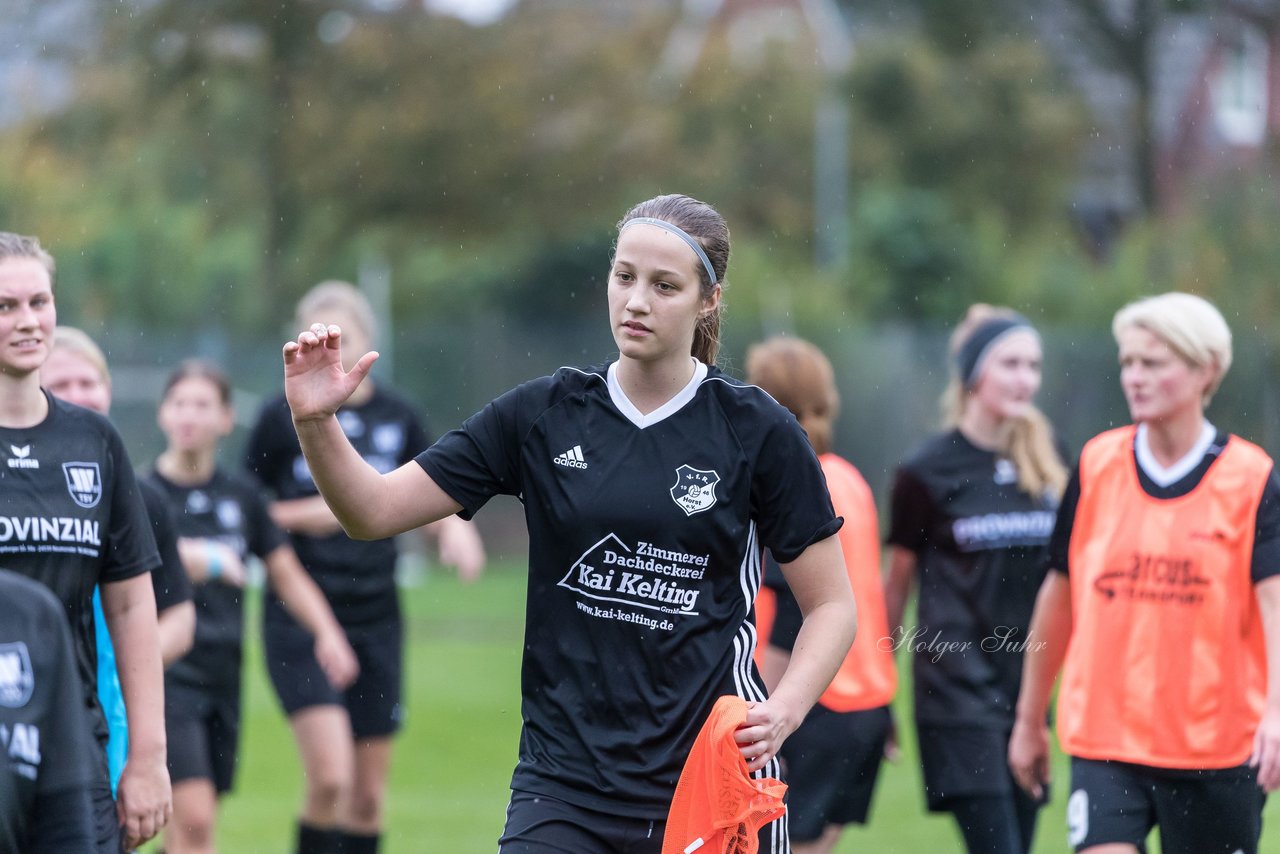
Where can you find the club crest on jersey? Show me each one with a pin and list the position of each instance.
(228, 512)
(695, 490)
(388, 438)
(84, 482)
(17, 680)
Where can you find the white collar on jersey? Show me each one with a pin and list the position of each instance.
(1162, 476)
(671, 407)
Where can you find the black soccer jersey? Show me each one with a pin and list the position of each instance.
(169, 580)
(71, 518)
(358, 578)
(645, 536)
(230, 509)
(44, 736)
(980, 543)
(1266, 540)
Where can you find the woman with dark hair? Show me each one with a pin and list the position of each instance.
(832, 760)
(650, 486)
(971, 514)
(76, 371)
(1161, 609)
(221, 519)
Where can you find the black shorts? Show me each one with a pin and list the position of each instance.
(372, 701)
(1198, 812)
(964, 762)
(203, 731)
(537, 824)
(831, 763)
(106, 821)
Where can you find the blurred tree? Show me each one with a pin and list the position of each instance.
(961, 156)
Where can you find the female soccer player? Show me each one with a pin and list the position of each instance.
(222, 519)
(971, 514)
(76, 371)
(832, 760)
(344, 737)
(1162, 610)
(649, 486)
(44, 736)
(75, 521)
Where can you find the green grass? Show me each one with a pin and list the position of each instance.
(453, 760)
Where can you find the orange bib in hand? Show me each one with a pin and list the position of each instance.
(719, 807)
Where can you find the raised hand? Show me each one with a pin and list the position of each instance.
(315, 382)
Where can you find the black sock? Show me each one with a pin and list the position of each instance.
(318, 840)
(358, 843)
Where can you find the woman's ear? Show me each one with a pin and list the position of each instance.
(712, 302)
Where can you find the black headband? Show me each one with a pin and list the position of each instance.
(974, 350)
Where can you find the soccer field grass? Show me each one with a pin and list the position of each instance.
(454, 758)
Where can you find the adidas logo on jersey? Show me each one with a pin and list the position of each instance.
(571, 458)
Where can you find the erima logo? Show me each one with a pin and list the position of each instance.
(21, 458)
(571, 458)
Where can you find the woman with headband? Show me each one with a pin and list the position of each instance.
(970, 517)
(1162, 610)
(650, 486)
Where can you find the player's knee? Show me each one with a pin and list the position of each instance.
(326, 790)
(190, 834)
(366, 807)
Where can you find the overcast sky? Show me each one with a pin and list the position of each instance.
(473, 11)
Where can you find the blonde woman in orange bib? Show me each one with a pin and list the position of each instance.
(1161, 610)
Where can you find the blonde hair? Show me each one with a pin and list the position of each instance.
(1031, 446)
(72, 340)
(335, 295)
(797, 375)
(1190, 325)
(22, 246)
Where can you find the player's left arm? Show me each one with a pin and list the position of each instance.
(821, 587)
(144, 801)
(305, 602)
(1266, 742)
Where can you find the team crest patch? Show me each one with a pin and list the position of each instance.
(16, 677)
(84, 482)
(388, 438)
(228, 514)
(695, 490)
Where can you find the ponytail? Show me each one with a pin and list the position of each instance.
(706, 337)
(1032, 450)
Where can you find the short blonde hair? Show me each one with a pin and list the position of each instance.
(799, 376)
(75, 341)
(1190, 325)
(23, 246)
(334, 295)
